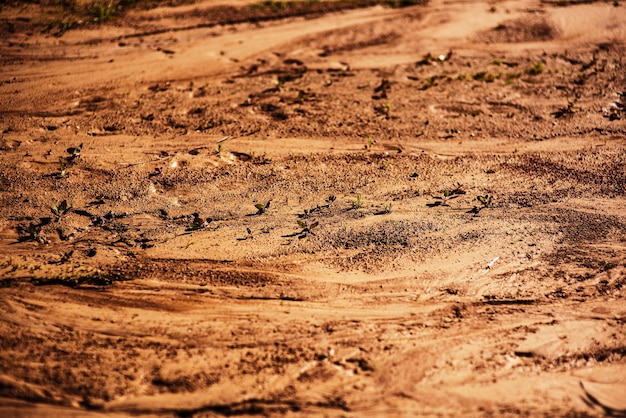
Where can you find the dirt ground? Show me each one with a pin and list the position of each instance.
(415, 211)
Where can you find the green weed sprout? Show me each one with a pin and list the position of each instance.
(535, 69)
(62, 167)
(60, 209)
(306, 228)
(484, 200)
(199, 223)
(446, 196)
(386, 210)
(262, 208)
(74, 152)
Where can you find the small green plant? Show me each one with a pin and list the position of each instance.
(198, 223)
(358, 203)
(306, 228)
(74, 152)
(60, 209)
(485, 76)
(386, 210)
(261, 159)
(262, 208)
(61, 25)
(384, 109)
(446, 196)
(429, 82)
(219, 148)
(370, 143)
(102, 10)
(306, 213)
(484, 200)
(535, 69)
(62, 168)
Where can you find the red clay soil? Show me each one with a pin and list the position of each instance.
(415, 211)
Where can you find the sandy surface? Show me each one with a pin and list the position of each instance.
(163, 290)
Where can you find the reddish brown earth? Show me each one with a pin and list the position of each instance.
(396, 303)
